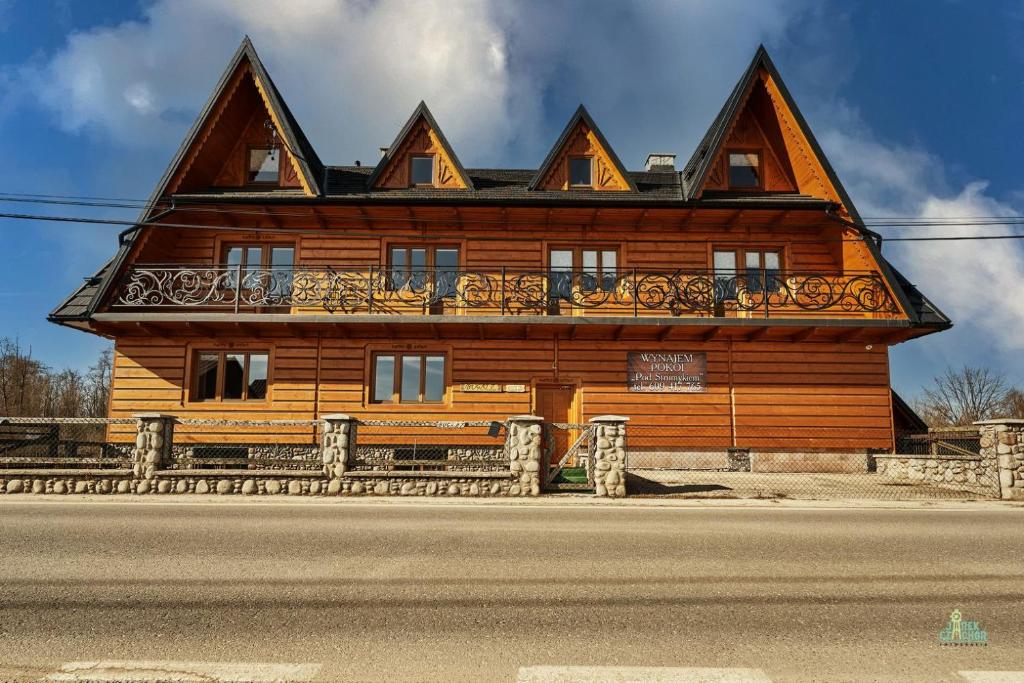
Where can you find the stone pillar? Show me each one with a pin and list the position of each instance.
(523, 445)
(339, 440)
(1002, 452)
(610, 455)
(152, 443)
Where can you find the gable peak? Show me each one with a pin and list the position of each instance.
(421, 136)
(582, 139)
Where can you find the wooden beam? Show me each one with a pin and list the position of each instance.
(201, 329)
(711, 333)
(296, 330)
(271, 217)
(151, 329)
(736, 216)
(757, 333)
(572, 332)
(618, 332)
(253, 332)
(319, 217)
(848, 335)
(435, 330)
(480, 331)
(640, 219)
(666, 333)
(803, 334)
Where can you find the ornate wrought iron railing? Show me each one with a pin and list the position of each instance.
(504, 291)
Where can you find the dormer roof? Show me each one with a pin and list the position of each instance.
(420, 134)
(582, 136)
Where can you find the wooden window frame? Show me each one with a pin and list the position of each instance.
(396, 387)
(741, 260)
(568, 172)
(760, 168)
(280, 166)
(577, 257)
(265, 252)
(433, 170)
(222, 371)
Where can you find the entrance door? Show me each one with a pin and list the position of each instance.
(555, 404)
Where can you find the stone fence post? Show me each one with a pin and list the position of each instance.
(610, 455)
(339, 442)
(152, 444)
(523, 445)
(1002, 443)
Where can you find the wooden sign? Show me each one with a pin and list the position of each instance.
(669, 373)
(481, 388)
(515, 388)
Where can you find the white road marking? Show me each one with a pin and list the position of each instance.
(185, 672)
(637, 674)
(992, 676)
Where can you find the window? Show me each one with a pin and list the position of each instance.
(264, 165)
(580, 171)
(760, 271)
(421, 171)
(744, 169)
(230, 376)
(408, 378)
(424, 269)
(597, 269)
(263, 266)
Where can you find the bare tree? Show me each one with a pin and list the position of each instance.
(960, 397)
(1014, 404)
(30, 388)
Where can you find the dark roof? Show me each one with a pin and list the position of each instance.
(79, 304)
(502, 184)
(581, 114)
(905, 418)
(421, 111)
(922, 310)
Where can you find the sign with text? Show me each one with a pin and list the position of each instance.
(672, 373)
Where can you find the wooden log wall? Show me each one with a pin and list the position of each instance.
(764, 395)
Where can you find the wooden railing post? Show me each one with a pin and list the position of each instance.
(503, 291)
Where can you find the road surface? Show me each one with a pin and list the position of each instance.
(419, 592)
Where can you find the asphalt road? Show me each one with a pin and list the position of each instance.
(375, 592)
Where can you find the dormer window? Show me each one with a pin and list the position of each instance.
(421, 170)
(744, 170)
(581, 172)
(264, 166)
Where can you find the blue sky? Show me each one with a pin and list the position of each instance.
(916, 103)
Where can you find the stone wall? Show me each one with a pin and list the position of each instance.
(958, 472)
(1003, 442)
(610, 456)
(523, 445)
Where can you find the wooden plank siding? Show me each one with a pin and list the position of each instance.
(762, 395)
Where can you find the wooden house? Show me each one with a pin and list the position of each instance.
(736, 301)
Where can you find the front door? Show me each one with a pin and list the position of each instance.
(555, 404)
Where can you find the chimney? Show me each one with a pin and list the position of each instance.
(661, 162)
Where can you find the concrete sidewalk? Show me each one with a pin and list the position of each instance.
(562, 500)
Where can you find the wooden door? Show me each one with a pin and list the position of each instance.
(555, 404)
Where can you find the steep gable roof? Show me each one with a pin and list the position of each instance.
(419, 134)
(301, 154)
(760, 70)
(582, 130)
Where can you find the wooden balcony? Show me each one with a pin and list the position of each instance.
(628, 293)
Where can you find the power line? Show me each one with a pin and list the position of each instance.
(199, 206)
(377, 235)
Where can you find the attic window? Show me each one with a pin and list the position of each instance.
(744, 170)
(421, 170)
(264, 165)
(580, 172)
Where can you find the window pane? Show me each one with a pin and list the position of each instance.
(589, 261)
(744, 169)
(560, 285)
(608, 270)
(234, 373)
(753, 260)
(206, 376)
(233, 256)
(771, 260)
(579, 171)
(411, 378)
(384, 378)
(282, 257)
(281, 261)
(446, 263)
(725, 262)
(561, 260)
(423, 170)
(434, 383)
(263, 166)
(257, 376)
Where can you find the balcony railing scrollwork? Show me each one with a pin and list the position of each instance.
(505, 292)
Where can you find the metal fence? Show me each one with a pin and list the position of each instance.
(436, 446)
(804, 463)
(60, 443)
(249, 448)
(940, 441)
